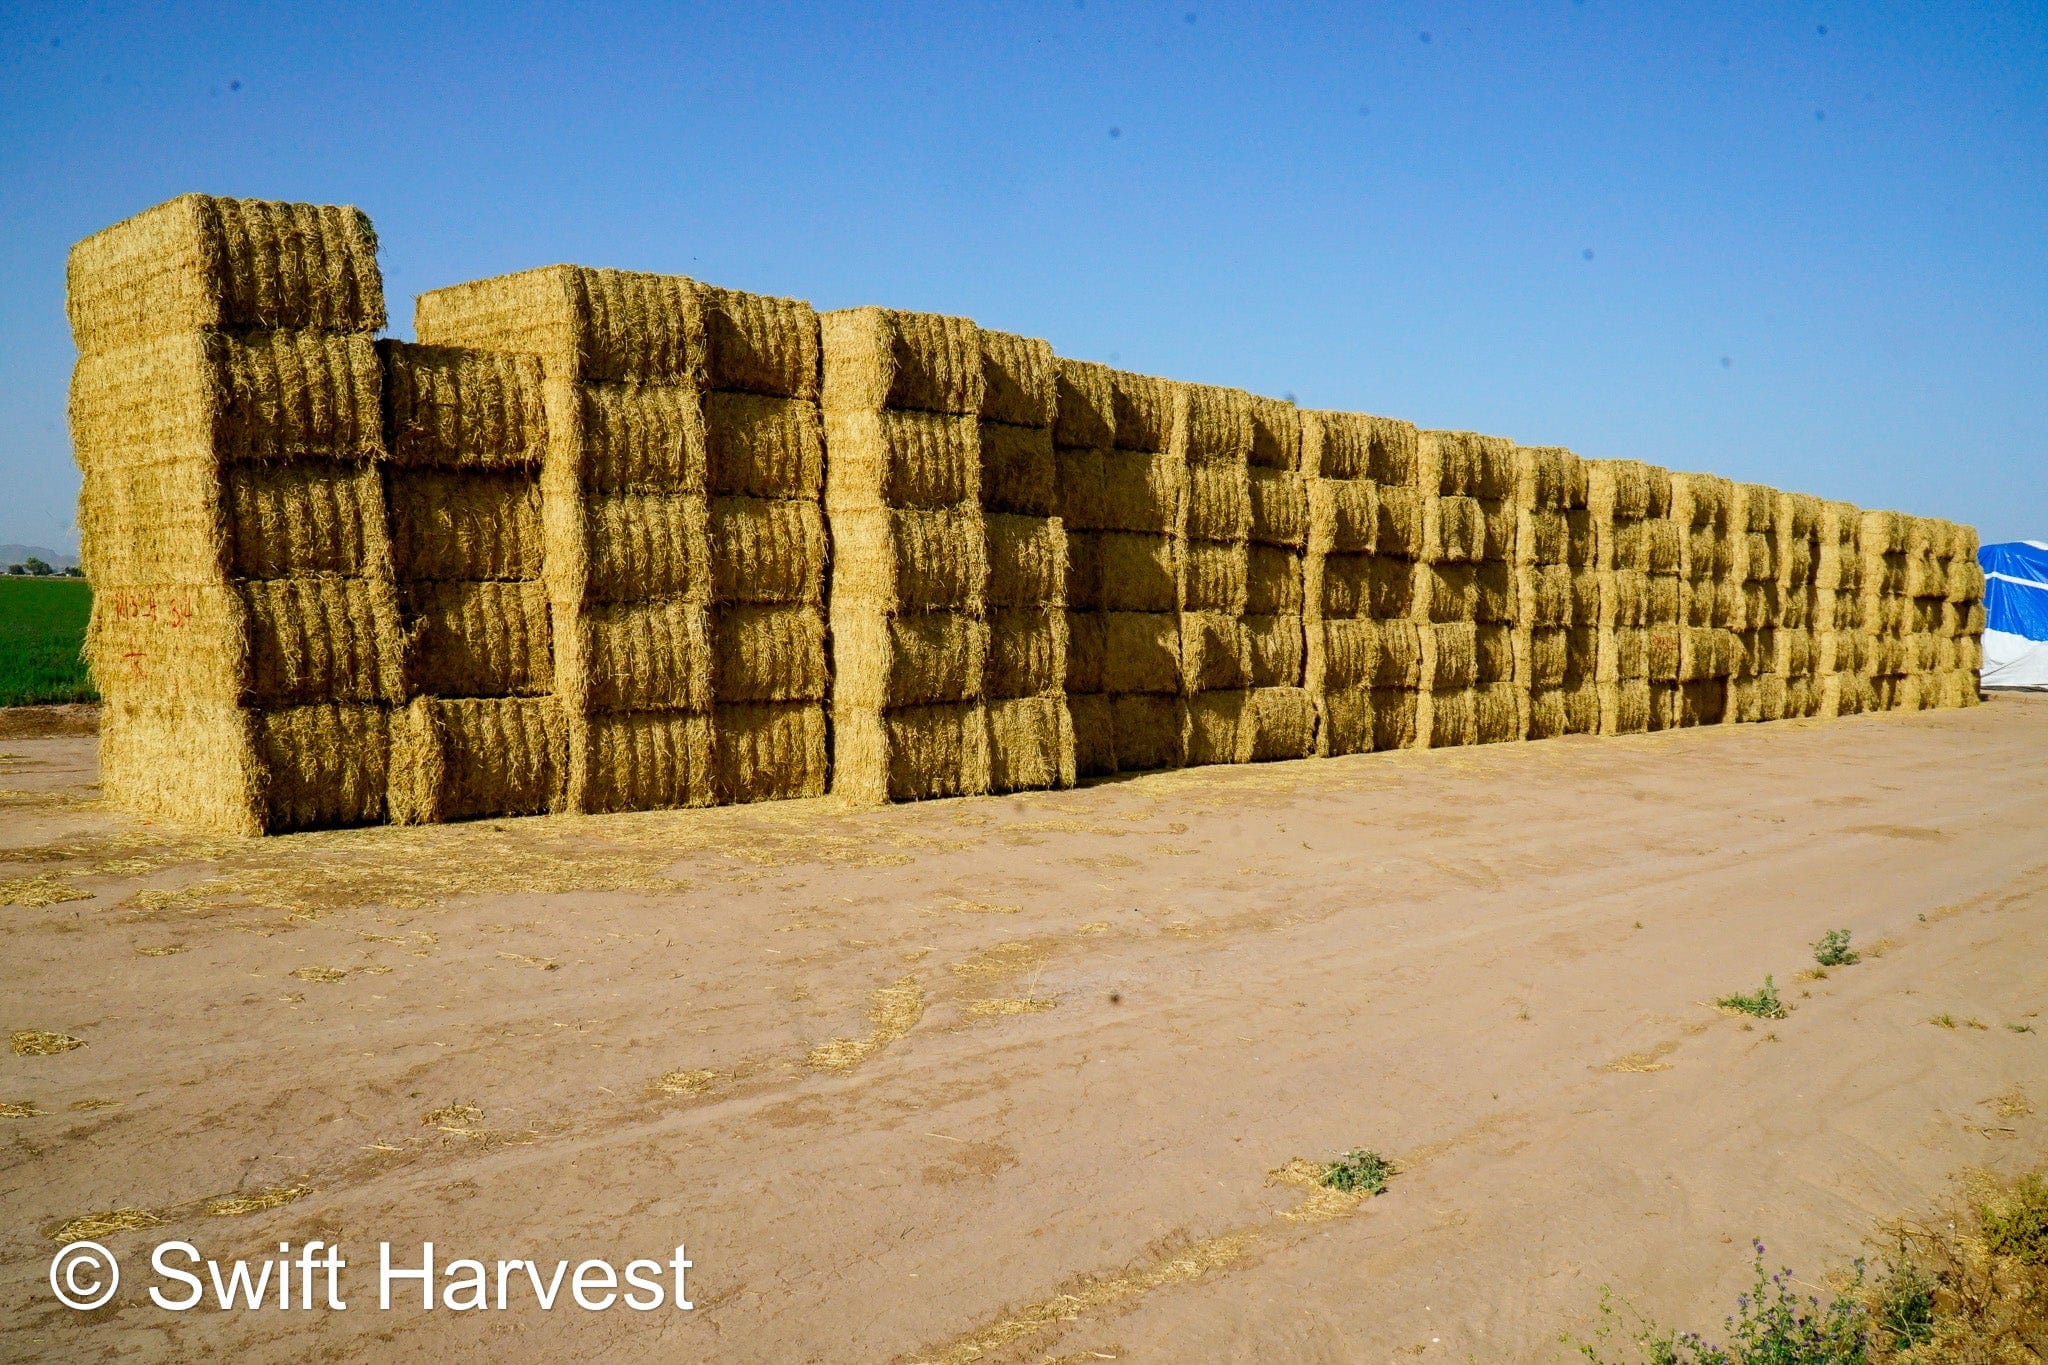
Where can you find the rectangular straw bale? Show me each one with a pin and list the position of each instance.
(1018, 470)
(1343, 516)
(200, 262)
(1624, 707)
(1142, 492)
(769, 653)
(153, 524)
(1403, 522)
(643, 545)
(1144, 410)
(1279, 508)
(641, 760)
(767, 550)
(1278, 650)
(463, 758)
(1276, 434)
(1139, 572)
(1084, 404)
(877, 358)
(1456, 530)
(323, 639)
(768, 751)
(451, 405)
(1084, 571)
(1214, 577)
(763, 447)
(1550, 478)
(1468, 464)
(1087, 650)
(1368, 585)
(905, 460)
(1345, 722)
(1453, 718)
(1702, 703)
(1027, 561)
(1273, 580)
(756, 343)
(1030, 744)
(1395, 718)
(628, 436)
(920, 658)
(911, 754)
(1542, 536)
(635, 656)
(215, 398)
(325, 764)
(1027, 652)
(1020, 380)
(586, 324)
(1080, 490)
(1211, 425)
(194, 762)
(478, 639)
(897, 560)
(1367, 653)
(1221, 728)
(1215, 651)
(1142, 652)
(289, 519)
(1219, 502)
(1151, 731)
(463, 524)
(1283, 724)
(1094, 722)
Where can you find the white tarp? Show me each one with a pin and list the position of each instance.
(2015, 614)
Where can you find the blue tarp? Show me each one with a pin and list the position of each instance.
(2015, 613)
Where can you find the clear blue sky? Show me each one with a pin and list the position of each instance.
(1805, 244)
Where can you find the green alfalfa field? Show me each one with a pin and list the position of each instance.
(42, 635)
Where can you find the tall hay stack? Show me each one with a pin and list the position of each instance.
(1465, 598)
(1364, 650)
(687, 614)
(1841, 644)
(1283, 713)
(909, 605)
(1557, 594)
(1794, 646)
(1030, 730)
(1641, 614)
(1756, 687)
(1212, 441)
(1885, 611)
(225, 414)
(1704, 507)
(1084, 439)
(1963, 621)
(465, 437)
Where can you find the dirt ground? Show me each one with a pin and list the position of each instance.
(1020, 1078)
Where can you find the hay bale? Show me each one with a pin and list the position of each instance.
(640, 759)
(1030, 744)
(768, 751)
(1221, 727)
(1150, 731)
(763, 446)
(450, 405)
(759, 344)
(586, 324)
(199, 262)
(1028, 652)
(482, 524)
(767, 550)
(477, 639)
(286, 519)
(454, 759)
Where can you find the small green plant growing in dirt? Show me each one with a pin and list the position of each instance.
(1833, 950)
(2015, 1222)
(1762, 1003)
(1773, 1324)
(1358, 1172)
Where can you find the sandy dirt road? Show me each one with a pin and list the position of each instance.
(1019, 1079)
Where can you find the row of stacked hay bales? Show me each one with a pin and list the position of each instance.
(226, 415)
(607, 541)
(1558, 594)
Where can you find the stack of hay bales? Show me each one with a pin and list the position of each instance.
(1793, 647)
(225, 413)
(688, 633)
(1465, 596)
(1352, 655)
(1031, 735)
(1705, 509)
(1841, 644)
(909, 607)
(1212, 442)
(1282, 711)
(1084, 439)
(1557, 593)
(1885, 610)
(1962, 626)
(1756, 687)
(1641, 614)
(466, 435)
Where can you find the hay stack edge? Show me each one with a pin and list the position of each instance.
(604, 541)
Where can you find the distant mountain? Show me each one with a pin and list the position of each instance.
(14, 554)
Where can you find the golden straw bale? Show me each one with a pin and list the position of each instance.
(1396, 718)
(640, 760)
(767, 550)
(907, 659)
(1027, 561)
(756, 343)
(450, 523)
(448, 405)
(194, 762)
(627, 436)
(1382, 654)
(911, 754)
(1549, 477)
(1452, 718)
(323, 764)
(1624, 707)
(1345, 722)
(1138, 572)
(1080, 491)
(1093, 718)
(157, 524)
(1215, 651)
(1087, 650)
(769, 653)
(1402, 532)
(1019, 379)
(1343, 516)
(901, 459)
(1279, 508)
(1019, 472)
(1142, 492)
(1276, 434)
(1143, 407)
(1544, 594)
(763, 447)
(1702, 703)
(1283, 724)
(458, 759)
(1214, 577)
(1027, 652)
(478, 639)
(774, 751)
(1084, 404)
(1030, 744)
(215, 398)
(1542, 536)
(1142, 652)
(1211, 425)
(1221, 728)
(1219, 502)
(877, 358)
(642, 545)
(1151, 731)
(1277, 650)
(200, 262)
(1084, 570)
(634, 656)
(898, 560)
(288, 519)
(1965, 579)
(585, 324)
(1456, 530)
(1273, 580)
(323, 639)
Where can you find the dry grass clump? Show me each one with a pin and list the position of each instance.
(93, 1226)
(44, 889)
(42, 1043)
(686, 1082)
(26, 1110)
(893, 1011)
(236, 1205)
